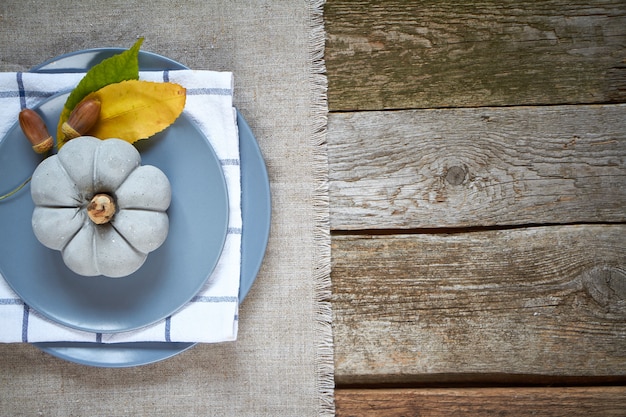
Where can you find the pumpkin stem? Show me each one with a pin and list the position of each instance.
(101, 208)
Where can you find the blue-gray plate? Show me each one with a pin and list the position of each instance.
(256, 211)
(171, 275)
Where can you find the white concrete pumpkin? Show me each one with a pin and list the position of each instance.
(63, 187)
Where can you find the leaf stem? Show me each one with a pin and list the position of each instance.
(15, 190)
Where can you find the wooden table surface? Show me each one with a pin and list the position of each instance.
(477, 159)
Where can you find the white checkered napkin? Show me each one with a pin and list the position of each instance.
(211, 316)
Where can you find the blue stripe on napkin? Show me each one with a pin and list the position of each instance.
(10, 301)
(168, 322)
(26, 93)
(206, 299)
(20, 88)
(209, 91)
(233, 161)
(25, 324)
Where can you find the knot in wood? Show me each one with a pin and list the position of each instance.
(455, 175)
(607, 286)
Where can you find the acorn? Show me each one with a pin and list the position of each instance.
(35, 130)
(82, 119)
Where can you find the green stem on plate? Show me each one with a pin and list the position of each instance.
(22, 185)
(19, 187)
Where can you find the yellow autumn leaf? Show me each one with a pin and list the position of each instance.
(133, 110)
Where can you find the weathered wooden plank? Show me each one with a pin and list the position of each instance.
(395, 54)
(477, 167)
(518, 402)
(531, 301)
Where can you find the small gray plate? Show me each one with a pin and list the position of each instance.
(171, 275)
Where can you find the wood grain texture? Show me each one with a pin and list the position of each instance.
(395, 54)
(518, 402)
(477, 167)
(529, 301)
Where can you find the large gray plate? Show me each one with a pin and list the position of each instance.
(256, 210)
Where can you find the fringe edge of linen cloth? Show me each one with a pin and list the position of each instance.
(322, 255)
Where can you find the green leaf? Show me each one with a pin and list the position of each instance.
(118, 68)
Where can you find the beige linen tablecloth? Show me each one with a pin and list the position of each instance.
(281, 364)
